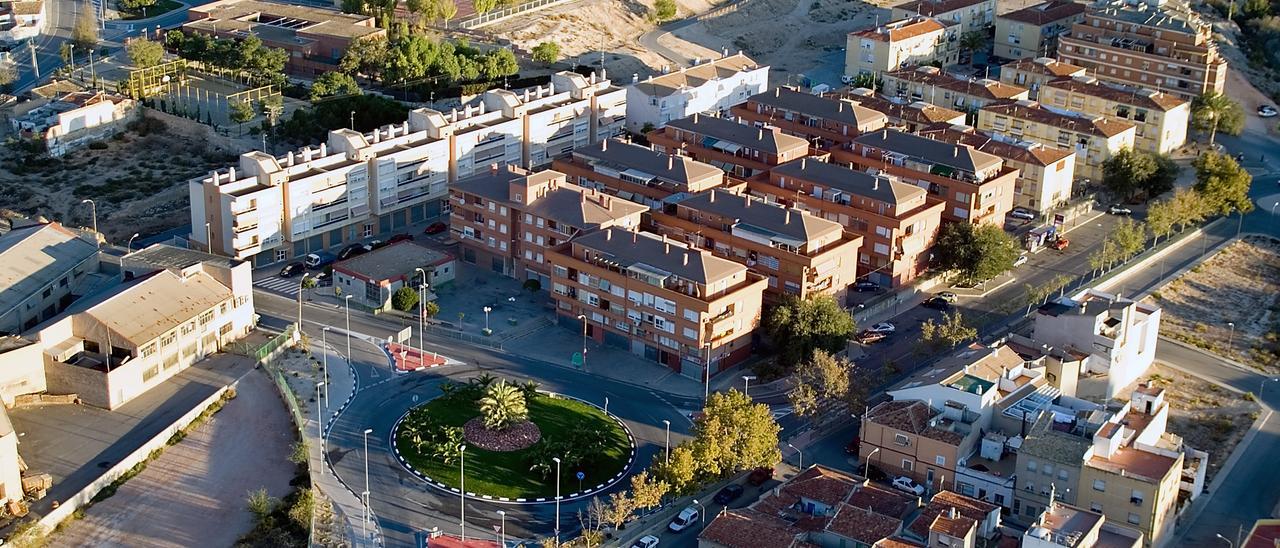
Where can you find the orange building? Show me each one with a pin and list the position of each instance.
(739, 149)
(822, 121)
(637, 173)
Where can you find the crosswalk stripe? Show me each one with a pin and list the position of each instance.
(278, 285)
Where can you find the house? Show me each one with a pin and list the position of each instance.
(373, 278)
(911, 116)
(911, 41)
(22, 20)
(1095, 139)
(977, 187)
(896, 221)
(1161, 118)
(639, 174)
(971, 15)
(508, 219)
(800, 254)
(911, 438)
(43, 268)
(11, 466)
(711, 87)
(1045, 174)
(931, 85)
(1118, 334)
(73, 120)
(824, 121)
(1066, 526)
(664, 300)
(1033, 31)
(1033, 74)
(739, 149)
(745, 528)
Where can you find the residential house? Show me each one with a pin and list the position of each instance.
(911, 438)
(972, 15)
(22, 20)
(824, 121)
(1118, 334)
(977, 187)
(711, 87)
(741, 150)
(509, 219)
(372, 279)
(1095, 139)
(1148, 44)
(1160, 119)
(1033, 31)
(667, 301)
(901, 43)
(911, 116)
(43, 268)
(953, 530)
(800, 254)
(73, 120)
(639, 174)
(896, 221)
(1066, 526)
(1033, 74)
(1045, 174)
(931, 85)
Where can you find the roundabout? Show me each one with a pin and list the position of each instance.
(499, 441)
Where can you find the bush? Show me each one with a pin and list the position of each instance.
(404, 299)
(97, 145)
(533, 285)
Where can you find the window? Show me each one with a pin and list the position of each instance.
(690, 334)
(1062, 474)
(1095, 507)
(901, 439)
(1031, 466)
(907, 465)
(206, 318)
(940, 460)
(1137, 497)
(691, 315)
(150, 373)
(148, 350)
(1047, 470)
(1134, 518)
(1099, 485)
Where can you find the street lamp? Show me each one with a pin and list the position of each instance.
(301, 281)
(667, 444)
(557, 459)
(503, 542)
(367, 431)
(487, 310)
(1273, 207)
(462, 490)
(353, 128)
(706, 383)
(1263, 384)
(348, 301)
(866, 470)
(800, 455)
(422, 308)
(128, 247)
(319, 413)
(701, 509)
(746, 384)
(324, 358)
(92, 206)
(582, 317)
(1225, 539)
(1230, 334)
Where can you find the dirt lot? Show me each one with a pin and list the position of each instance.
(1239, 285)
(138, 182)
(1208, 417)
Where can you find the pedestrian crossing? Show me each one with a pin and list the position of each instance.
(276, 284)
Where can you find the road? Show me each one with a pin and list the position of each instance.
(652, 41)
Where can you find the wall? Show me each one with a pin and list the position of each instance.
(21, 372)
(91, 385)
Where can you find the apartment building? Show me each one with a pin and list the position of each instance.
(712, 87)
(664, 300)
(1033, 31)
(931, 85)
(316, 38)
(913, 116)
(509, 219)
(1066, 526)
(896, 221)
(977, 187)
(739, 149)
(43, 268)
(1045, 174)
(798, 253)
(1033, 74)
(1118, 334)
(911, 438)
(1093, 138)
(901, 43)
(823, 121)
(1148, 44)
(971, 15)
(356, 185)
(637, 173)
(1160, 119)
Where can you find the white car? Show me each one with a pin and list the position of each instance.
(1021, 260)
(1119, 210)
(1019, 213)
(687, 517)
(904, 483)
(1267, 111)
(884, 327)
(647, 541)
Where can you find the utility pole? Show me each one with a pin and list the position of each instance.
(35, 63)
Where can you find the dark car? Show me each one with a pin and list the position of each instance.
(937, 303)
(760, 475)
(730, 492)
(378, 244)
(351, 251)
(436, 228)
(292, 269)
(866, 286)
(852, 447)
(401, 238)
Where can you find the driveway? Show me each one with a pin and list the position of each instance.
(194, 493)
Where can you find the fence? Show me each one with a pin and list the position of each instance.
(264, 352)
(482, 19)
(465, 337)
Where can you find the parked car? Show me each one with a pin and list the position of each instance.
(1267, 111)
(871, 337)
(689, 516)
(760, 475)
(1061, 243)
(324, 278)
(401, 237)
(436, 228)
(874, 473)
(852, 447)
(1021, 260)
(866, 286)
(647, 541)
(948, 296)
(729, 493)
(351, 251)
(937, 303)
(1019, 213)
(883, 327)
(904, 483)
(292, 269)
(1119, 210)
(320, 259)
(376, 244)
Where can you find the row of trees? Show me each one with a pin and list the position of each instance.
(414, 57)
(1131, 172)
(262, 64)
(976, 253)
(733, 434)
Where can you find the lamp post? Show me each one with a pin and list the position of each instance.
(582, 317)
(367, 431)
(324, 358)
(557, 459)
(301, 281)
(667, 445)
(706, 381)
(1230, 334)
(701, 509)
(208, 237)
(746, 384)
(353, 120)
(462, 490)
(348, 301)
(92, 206)
(1263, 384)
(799, 455)
(319, 413)
(128, 247)
(502, 542)
(866, 470)
(1225, 539)
(422, 309)
(487, 310)
(1273, 207)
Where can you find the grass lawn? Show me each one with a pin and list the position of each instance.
(160, 7)
(506, 474)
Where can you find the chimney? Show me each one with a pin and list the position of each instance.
(875, 183)
(802, 163)
(760, 134)
(695, 117)
(885, 135)
(666, 246)
(289, 159)
(746, 200)
(777, 92)
(840, 106)
(493, 168)
(635, 236)
(608, 234)
(711, 196)
(231, 174)
(953, 514)
(955, 151)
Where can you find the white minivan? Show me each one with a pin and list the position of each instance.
(687, 517)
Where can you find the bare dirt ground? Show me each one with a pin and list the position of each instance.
(1240, 286)
(1207, 417)
(194, 494)
(138, 182)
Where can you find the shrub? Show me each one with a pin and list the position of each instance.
(404, 299)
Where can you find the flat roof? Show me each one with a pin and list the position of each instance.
(142, 309)
(1068, 521)
(167, 256)
(934, 8)
(876, 187)
(912, 416)
(771, 140)
(290, 19)
(392, 261)
(1046, 66)
(35, 256)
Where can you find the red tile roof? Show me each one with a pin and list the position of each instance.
(896, 33)
(1141, 98)
(944, 501)
(896, 542)
(936, 7)
(1031, 110)
(862, 525)
(821, 484)
(882, 500)
(750, 529)
(1045, 66)
(911, 416)
(1035, 154)
(954, 527)
(1046, 12)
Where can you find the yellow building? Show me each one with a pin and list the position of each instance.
(972, 15)
(931, 85)
(1161, 118)
(1033, 74)
(895, 45)
(1094, 139)
(1045, 173)
(1033, 31)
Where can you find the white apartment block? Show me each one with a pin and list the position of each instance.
(1119, 335)
(357, 185)
(709, 88)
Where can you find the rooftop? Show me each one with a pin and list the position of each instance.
(825, 107)
(1100, 126)
(915, 111)
(746, 528)
(876, 187)
(957, 156)
(895, 542)
(1132, 462)
(934, 8)
(1064, 524)
(985, 88)
(635, 159)
(901, 30)
(944, 501)
(391, 262)
(956, 526)
(1046, 12)
(283, 20)
(881, 500)
(822, 484)
(142, 309)
(1264, 534)
(178, 258)
(35, 256)
(563, 202)
(1047, 443)
(1027, 153)
(861, 525)
(1138, 97)
(1046, 66)
(657, 255)
(697, 75)
(769, 220)
(711, 128)
(911, 416)
(1164, 18)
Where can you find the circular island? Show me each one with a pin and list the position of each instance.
(509, 434)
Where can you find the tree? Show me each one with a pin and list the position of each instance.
(7, 76)
(734, 434)
(1130, 171)
(679, 471)
(136, 6)
(240, 112)
(404, 299)
(1037, 294)
(1223, 183)
(977, 253)
(1129, 238)
(798, 326)
(85, 32)
(664, 10)
(367, 56)
(446, 9)
(484, 6)
(1160, 218)
(973, 41)
(431, 309)
(144, 53)
(950, 333)
(308, 284)
(546, 53)
(353, 6)
(647, 491)
(422, 8)
(272, 106)
(1215, 112)
(1255, 9)
(1189, 207)
(823, 377)
(330, 84)
(502, 406)
(498, 63)
(618, 511)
